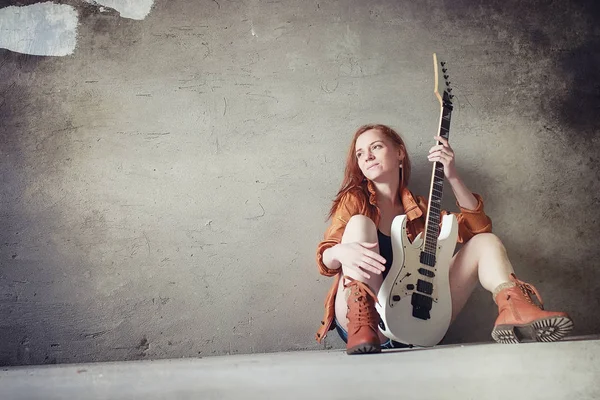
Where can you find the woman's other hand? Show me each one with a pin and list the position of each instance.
(358, 257)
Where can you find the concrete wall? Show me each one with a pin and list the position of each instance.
(164, 186)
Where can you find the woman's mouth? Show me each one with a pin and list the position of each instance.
(374, 165)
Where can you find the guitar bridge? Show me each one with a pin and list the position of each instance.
(421, 306)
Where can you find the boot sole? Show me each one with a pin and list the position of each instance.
(549, 329)
(364, 348)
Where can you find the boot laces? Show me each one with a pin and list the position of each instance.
(528, 290)
(362, 310)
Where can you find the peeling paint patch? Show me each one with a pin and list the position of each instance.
(42, 29)
(134, 9)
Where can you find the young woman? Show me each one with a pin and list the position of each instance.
(357, 249)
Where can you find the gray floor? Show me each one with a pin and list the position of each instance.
(486, 371)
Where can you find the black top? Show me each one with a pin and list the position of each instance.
(385, 249)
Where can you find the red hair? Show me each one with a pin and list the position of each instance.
(353, 176)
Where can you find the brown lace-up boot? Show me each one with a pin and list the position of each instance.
(520, 317)
(362, 319)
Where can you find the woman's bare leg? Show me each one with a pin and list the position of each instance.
(483, 257)
(358, 229)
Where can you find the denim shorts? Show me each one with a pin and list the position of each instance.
(389, 344)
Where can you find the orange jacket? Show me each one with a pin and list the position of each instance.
(470, 223)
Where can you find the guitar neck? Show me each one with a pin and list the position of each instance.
(432, 225)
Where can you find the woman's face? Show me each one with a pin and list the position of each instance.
(377, 157)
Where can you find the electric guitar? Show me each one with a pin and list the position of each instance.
(414, 300)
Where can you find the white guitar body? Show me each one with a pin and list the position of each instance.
(396, 293)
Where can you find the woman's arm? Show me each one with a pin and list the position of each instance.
(463, 195)
(443, 153)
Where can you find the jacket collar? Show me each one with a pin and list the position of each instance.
(411, 208)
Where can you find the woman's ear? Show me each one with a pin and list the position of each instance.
(400, 155)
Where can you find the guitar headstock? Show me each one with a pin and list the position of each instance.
(442, 90)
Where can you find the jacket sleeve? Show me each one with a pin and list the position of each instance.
(472, 222)
(333, 234)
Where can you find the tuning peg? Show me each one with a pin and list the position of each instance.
(444, 70)
(446, 76)
(448, 83)
(449, 90)
(443, 63)
(451, 96)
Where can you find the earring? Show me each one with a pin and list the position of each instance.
(401, 176)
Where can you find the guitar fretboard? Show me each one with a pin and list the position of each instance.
(432, 226)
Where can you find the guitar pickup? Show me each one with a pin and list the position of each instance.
(427, 259)
(426, 272)
(424, 287)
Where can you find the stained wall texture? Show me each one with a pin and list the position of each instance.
(163, 188)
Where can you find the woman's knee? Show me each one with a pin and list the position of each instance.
(487, 241)
(360, 227)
